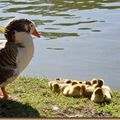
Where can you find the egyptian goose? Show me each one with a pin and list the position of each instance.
(16, 52)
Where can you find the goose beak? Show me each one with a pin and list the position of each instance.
(36, 33)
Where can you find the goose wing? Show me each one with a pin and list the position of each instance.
(8, 56)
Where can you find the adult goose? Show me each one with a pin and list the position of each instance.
(16, 52)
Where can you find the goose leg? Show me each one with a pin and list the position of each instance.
(5, 95)
(1, 93)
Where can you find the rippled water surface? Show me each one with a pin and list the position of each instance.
(80, 38)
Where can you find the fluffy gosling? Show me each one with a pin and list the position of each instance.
(50, 83)
(101, 95)
(55, 88)
(72, 90)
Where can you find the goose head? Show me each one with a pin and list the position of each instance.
(20, 26)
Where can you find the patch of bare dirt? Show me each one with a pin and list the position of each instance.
(82, 113)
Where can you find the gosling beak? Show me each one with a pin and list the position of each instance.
(36, 33)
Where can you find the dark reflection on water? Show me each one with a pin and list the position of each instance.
(80, 38)
(54, 35)
(56, 48)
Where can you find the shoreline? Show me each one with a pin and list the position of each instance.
(33, 98)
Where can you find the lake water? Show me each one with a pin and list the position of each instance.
(80, 38)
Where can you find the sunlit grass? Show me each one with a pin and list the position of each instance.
(35, 93)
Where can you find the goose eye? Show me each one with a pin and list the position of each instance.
(31, 25)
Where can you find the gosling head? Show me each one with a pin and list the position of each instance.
(68, 81)
(94, 81)
(74, 82)
(56, 88)
(98, 91)
(99, 83)
(87, 83)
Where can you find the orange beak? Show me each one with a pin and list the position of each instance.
(36, 33)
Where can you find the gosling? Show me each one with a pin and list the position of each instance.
(73, 90)
(90, 87)
(101, 95)
(56, 88)
(51, 83)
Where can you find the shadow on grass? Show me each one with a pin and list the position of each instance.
(9, 108)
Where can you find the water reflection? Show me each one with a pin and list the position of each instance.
(56, 48)
(57, 11)
(53, 7)
(77, 23)
(54, 35)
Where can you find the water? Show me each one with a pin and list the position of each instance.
(80, 38)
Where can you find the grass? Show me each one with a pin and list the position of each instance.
(33, 98)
